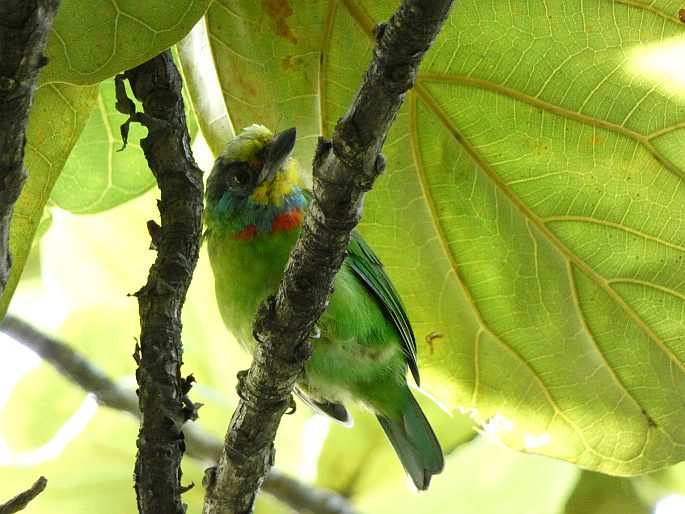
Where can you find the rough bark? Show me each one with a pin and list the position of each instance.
(24, 28)
(22, 500)
(162, 391)
(344, 170)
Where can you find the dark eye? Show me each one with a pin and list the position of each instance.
(240, 178)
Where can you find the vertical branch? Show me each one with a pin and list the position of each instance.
(162, 392)
(203, 447)
(24, 28)
(344, 170)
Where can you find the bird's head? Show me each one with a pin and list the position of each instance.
(254, 180)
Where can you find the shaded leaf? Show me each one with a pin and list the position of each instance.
(92, 40)
(58, 115)
(266, 56)
(98, 176)
(601, 494)
(102, 171)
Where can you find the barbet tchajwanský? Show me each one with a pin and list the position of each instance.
(254, 210)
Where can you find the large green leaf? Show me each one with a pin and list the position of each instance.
(58, 115)
(92, 40)
(266, 56)
(98, 175)
(531, 215)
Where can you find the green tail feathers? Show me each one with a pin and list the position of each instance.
(415, 443)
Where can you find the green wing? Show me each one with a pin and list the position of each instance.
(369, 269)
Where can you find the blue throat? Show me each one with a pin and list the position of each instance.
(231, 215)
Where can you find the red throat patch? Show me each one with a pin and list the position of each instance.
(246, 234)
(287, 221)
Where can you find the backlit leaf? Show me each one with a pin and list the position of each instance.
(531, 215)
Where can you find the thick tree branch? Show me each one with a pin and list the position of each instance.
(162, 391)
(344, 171)
(21, 501)
(24, 28)
(200, 445)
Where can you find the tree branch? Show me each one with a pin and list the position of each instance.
(200, 445)
(21, 501)
(344, 171)
(162, 391)
(24, 28)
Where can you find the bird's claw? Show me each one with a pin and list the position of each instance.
(240, 386)
(292, 407)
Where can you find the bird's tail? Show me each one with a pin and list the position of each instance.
(415, 443)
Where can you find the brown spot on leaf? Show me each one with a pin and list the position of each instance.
(681, 15)
(287, 62)
(595, 140)
(243, 78)
(278, 11)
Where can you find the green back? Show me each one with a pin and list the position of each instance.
(366, 265)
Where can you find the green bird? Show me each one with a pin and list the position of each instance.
(254, 211)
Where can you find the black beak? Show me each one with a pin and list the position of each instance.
(277, 151)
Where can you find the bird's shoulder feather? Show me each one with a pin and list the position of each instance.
(368, 268)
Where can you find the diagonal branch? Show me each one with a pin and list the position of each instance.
(344, 170)
(22, 500)
(162, 391)
(200, 445)
(24, 28)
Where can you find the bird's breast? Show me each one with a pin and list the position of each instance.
(245, 273)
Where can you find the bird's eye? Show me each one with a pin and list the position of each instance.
(240, 178)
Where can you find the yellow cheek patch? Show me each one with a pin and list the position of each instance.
(261, 194)
(281, 186)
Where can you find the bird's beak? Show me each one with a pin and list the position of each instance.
(277, 151)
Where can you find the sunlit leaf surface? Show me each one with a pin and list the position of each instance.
(531, 215)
